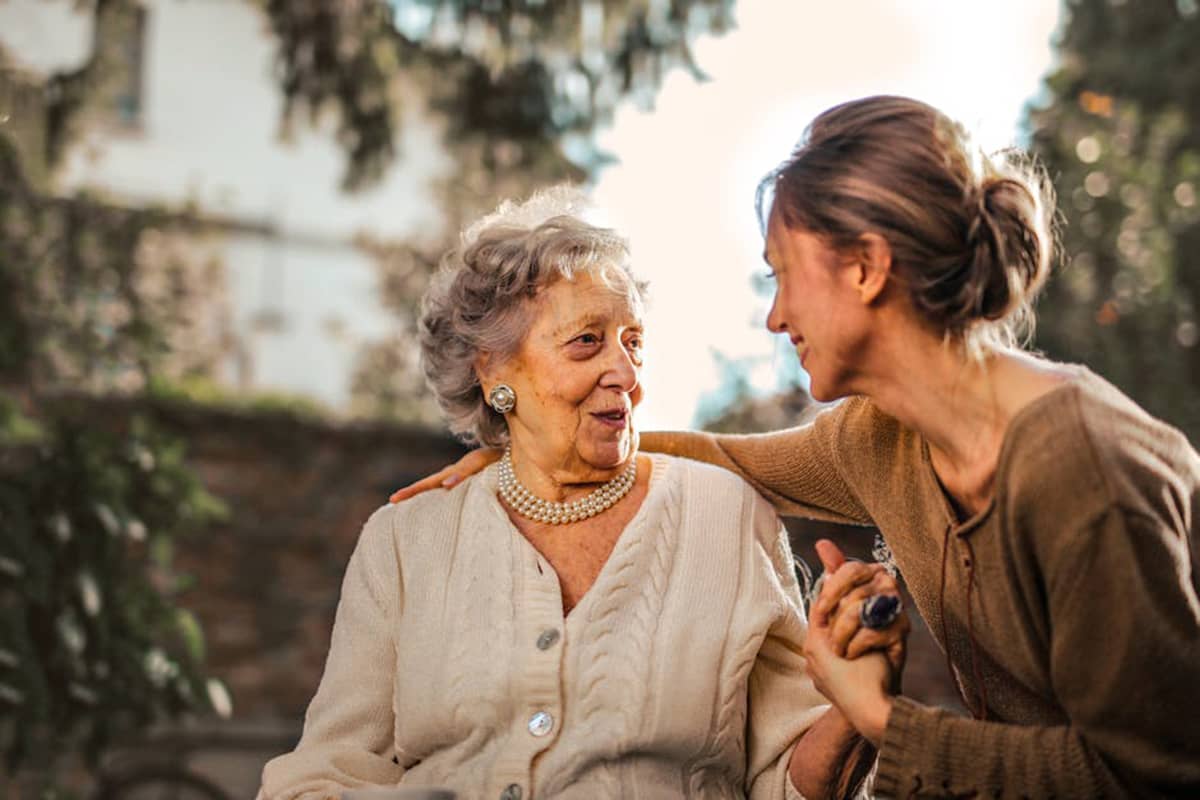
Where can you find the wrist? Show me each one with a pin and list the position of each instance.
(840, 724)
(872, 720)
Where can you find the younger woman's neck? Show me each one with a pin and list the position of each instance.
(961, 404)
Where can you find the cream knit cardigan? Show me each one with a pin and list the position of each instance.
(678, 674)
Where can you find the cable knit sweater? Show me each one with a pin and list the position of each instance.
(1071, 604)
(678, 674)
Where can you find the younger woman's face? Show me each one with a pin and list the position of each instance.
(817, 307)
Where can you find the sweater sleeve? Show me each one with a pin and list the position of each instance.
(349, 727)
(1124, 658)
(796, 469)
(782, 700)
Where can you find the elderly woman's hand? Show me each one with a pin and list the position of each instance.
(860, 688)
(465, 467)
(845, 587)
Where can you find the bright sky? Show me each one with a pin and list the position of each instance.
(684, 188)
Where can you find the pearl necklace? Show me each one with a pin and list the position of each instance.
(530, 506)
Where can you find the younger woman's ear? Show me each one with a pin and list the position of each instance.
(874, 267)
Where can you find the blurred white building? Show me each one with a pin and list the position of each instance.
(197, 125)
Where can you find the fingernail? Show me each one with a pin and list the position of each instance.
(453, 479)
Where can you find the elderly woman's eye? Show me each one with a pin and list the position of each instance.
(587, 338)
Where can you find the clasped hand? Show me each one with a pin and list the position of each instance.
(856, 667)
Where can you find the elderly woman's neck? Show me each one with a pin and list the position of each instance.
(561, 478)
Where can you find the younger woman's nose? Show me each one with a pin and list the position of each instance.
(775, 323)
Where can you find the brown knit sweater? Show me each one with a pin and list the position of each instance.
(1069, 606)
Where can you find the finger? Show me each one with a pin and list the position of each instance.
(865, 640)
(816, 639)
(476, 460)
(471, 463)
(886, 583)
(845, 625)
(844, 619)
(891, 640)
(838, 584)
(860, 591)
(830, 554)
(897, 654)
(434, 481)
(868, 641)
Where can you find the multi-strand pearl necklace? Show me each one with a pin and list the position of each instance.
(530, 506)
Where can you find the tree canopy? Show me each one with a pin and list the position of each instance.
(1120, 136)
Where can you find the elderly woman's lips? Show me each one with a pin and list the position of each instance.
(615, 419)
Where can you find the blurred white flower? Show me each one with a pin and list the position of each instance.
(82, 693)
(108, 519)
(159, 668)
(11, 695)
(60, 524)
(71, 634)
(143, 457)
(135, 529)
(218, 695)
(89, 594)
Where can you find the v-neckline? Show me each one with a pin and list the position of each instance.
(961, 527)
(657, 471)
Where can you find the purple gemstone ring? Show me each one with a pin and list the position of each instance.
(879, 611)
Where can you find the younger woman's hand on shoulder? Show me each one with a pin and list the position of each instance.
(448, 477)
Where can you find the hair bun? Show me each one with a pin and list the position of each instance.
(1007, 244)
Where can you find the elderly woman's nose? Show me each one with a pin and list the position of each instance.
(622, 369)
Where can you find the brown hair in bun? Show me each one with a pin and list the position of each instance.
(970, 235)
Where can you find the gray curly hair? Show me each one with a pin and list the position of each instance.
(480, 300)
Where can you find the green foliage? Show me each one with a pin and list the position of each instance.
(520, 72)
(92, 644)
(1120, 137)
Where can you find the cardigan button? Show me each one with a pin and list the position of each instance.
(541, 723)
(511, 792)
(547, 639)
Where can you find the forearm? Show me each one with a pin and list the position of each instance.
(830, 760)
(929, 749)
(793, 469)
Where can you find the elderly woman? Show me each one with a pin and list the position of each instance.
(579, 620)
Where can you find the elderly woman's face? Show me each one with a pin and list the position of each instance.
(576, 376)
